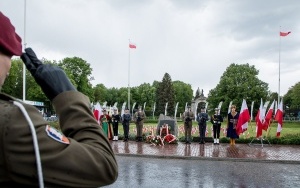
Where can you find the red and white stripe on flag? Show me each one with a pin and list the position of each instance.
(244, 117)
(279, 118)
(259, 120)
(283, 34)
(132, 45)
(268, 117)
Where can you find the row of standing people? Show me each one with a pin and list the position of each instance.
(116, 118)
(216, 119)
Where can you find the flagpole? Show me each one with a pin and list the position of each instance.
(24, 68)
(129, 78)
(279, 64)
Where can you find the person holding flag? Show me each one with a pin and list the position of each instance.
(232, 121)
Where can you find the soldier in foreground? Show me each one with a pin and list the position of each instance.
(33, 153)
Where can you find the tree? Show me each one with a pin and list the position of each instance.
(292, 98)
(183, 93)
(238, 82)
(79, 72)
(100, 93)
(165, 93)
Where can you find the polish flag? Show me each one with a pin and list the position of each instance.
(97, 112)
(132, 45)
(279, 118)
(268, 117)
(283, 34)
(244, 117)
(259, 120)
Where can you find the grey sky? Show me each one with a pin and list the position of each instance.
(194, 41)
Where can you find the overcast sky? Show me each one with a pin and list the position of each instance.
(194, 41)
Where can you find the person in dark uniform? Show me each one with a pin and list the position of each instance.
(126, 122)
(115, 118)
(201, 119)
(139, 118)
(188, 117)
(216, 120)
(32, 153)
(232, 121)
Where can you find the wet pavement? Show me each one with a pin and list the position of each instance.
(208, 151)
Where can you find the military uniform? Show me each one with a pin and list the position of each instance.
(126, 121)
(139, 117)
(84, 158)
(201, 119)
(115, 118)
(188, 117)
(216, 120)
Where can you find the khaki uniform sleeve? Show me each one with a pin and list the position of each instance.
(87, 161)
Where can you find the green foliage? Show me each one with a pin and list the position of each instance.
(165, 94)
(183, 94)
(292, 98)
(79, 72)
(238, 82)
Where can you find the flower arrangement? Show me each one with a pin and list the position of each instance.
(155, 140)
(170, 139)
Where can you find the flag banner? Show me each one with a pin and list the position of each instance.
(268, 117)
(123, 109)
(244, 117)
(219, 107)
(279, 118)
(259, 120)
(252, 105)
(206, 105)
(283, 34)
(176, 110)
(166, 107)
(144, 106)
(229, 107)
(132, 45)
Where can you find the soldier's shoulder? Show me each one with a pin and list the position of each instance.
(6, 97)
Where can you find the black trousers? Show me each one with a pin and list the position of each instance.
(202, 130)
(216, 129)
(126, 129)
(115, 128)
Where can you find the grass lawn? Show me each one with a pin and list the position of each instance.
(287, 129)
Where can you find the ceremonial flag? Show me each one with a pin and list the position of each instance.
(268, 117)
(259, 120)
(132, 45)
(229, 107)
(97, 112)
(244, 117)
(283, 34)
(279, 118)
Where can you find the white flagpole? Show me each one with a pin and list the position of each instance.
(279, 65)
(129, 77)
(24, 68)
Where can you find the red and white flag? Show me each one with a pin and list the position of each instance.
(97, 112)
(268, 117)
(283, 34)
(259, 120)
(244, 117)
(132, 45)
(279, 118)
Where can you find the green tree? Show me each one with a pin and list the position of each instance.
(14, 82)
(238, 82)
(165, 93)
(100, 93)
(292, 97)
(79, 72)
(183, 93)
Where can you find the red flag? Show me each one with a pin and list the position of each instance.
(279, 118)
(268, 117)
(132, 46)
(283, 34)
(244, 117)
(259, 120)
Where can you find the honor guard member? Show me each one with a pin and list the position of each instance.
(201, 119)
(115, 118)
(216, 120)
(32, 153)
(139, 118)
(126, 122)
(188, 117)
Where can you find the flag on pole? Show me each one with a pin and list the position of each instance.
(268, 117)
(97, 112)
(244, 117)
(132, 45)
(283, 34)
(279, 118)
(229, 107)
(259, 120)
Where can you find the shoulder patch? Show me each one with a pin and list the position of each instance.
(56, 135)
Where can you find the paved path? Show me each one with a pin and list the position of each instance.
(208, 151)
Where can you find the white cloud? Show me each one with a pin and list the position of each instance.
(194, 41)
